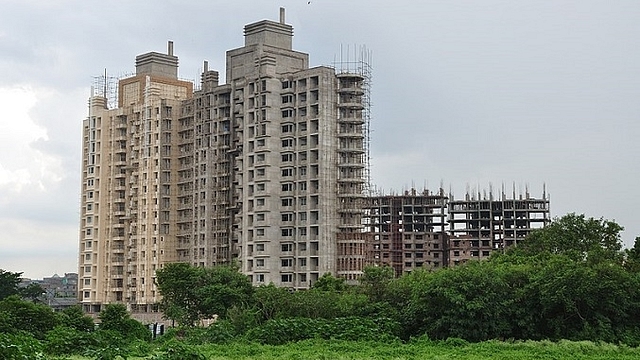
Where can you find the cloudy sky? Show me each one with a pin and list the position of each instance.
(465, 93)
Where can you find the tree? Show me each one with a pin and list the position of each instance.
(328, 282)
(578, 237)
(74, 318)
(116, 318)
(632, 257)
(375, 281)
(17, 314)
(177, 283)
(190, 293)
(32, 292)
(9, 283)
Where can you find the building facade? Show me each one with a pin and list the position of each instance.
(266, 171)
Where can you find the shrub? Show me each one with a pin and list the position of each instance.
(176, 350)
(20, 345)
(63, 340)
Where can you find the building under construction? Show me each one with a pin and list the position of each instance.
(267, 170)
(481, 224)
(408, 231)
(431, 230)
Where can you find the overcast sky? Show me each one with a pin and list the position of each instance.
(465, 93)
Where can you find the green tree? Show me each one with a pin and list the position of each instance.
(578, 237)
(375, 281)
(193, 293)
(74, 318)
(17, 314)
(9, 283)
(116, 318)
(328, 282)
(632, 257)
(177, 283)
(33, 292)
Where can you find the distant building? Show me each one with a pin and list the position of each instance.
(60, 292)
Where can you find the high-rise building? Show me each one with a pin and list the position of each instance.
(267, 170)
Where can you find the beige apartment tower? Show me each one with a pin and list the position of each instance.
(267, 171)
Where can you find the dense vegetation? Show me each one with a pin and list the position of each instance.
(569, 281)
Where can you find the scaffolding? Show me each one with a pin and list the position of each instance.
(357, 60)
(107, 87)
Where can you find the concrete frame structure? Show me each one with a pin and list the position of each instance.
(479, 225)
(408, 231)
(267, 171)
(430, 230)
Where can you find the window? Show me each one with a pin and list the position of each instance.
(286, 232)
(259, 202)
(302, 186)
(287, 157)
(87, 281)
(89, 207)
(287, 217)
(287, 113)
(87, 294)
(260, 278)
(287, 143)
(303, 125)
(287, 172)
(287, 202)
(456, 253)
(260, 262)
(287, 187)
(260, 217)
(286, 262)
(286, 247)
(287, 278)
(287, 128)
(260, 187)
(302, 201)
(485, 253)
(260, 232)
(260, 247)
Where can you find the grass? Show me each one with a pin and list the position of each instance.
(419, 349)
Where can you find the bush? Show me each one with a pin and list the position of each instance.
(282, 331)
(176, 350)
(63, 340)
(20, 345)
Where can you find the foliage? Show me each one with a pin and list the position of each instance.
(19, 315)
(115, 317)
(577, 237)
(328, 282)
(32, 292)
(74, 318)
(375, 280)
(64, 340)
(282, 331)
(190, 293)
(177, 350)
(9, 283)
(20, 345)
(632, 257)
